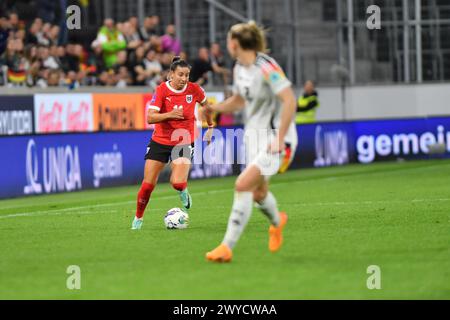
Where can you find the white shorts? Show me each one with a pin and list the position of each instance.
(272, 163)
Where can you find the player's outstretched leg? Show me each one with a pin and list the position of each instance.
(267, 203)
(143, 197)
(151, 173)
(179, 178)
(240, 214)
(185, 197)
(276, 233)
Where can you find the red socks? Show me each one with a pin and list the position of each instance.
(143, 195)
(179, 186)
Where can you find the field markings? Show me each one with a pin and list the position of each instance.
(109, 204)
(306, 179)
(103, 205)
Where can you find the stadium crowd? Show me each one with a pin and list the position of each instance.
(126, 53)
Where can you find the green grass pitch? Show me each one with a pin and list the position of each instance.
(341, 220)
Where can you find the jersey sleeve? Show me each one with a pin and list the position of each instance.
(274, 76)
(201, 96)
(157, 99)
(234, 88)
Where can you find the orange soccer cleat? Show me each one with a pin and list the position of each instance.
(276, 233)
(220, 254)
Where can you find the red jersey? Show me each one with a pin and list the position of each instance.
(165, 100)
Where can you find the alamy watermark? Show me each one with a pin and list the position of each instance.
(73, 281)
(231, 146)
(374, 280)
(374, 20)
(73, 20)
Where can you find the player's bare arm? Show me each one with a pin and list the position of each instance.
(287, 98)
(153, 116)
(209, 120)
(232, 104)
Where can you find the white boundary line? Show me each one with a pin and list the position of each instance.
(59, 211)
(314, 204)
(369, 202)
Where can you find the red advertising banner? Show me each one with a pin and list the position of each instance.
(147, 97)
(116, 112)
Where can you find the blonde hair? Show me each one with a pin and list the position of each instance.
(249, 35)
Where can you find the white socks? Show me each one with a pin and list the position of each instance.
(240, 214)
(269, 207)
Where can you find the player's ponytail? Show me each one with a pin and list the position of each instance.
(249, 35)
(178, 62)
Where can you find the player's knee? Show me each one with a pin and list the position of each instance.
(175, 180)
(259, 195)
(150, 177)
(179, 186)
(240, 186)
(150, 180)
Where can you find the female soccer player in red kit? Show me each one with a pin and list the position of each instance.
(172, 111)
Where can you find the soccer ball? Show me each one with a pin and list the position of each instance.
(176, 218)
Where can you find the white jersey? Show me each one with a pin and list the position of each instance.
(259, 84)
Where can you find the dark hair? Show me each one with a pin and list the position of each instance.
(178, 62)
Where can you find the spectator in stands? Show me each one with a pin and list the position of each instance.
(149, 70)
(111, 42)
(107, 78)
(169, 41)
(48, 61)
(156, 22)
(53, 35)
(50, 78)
(33, 72)
(218, 58)
(121, 60)
(150, 28)
(131, 36)
(73, 55)
(134, 59)
(14, 22)
(166, 61)
(32, 35)
(43, 34)
(216, 55)
(13, 58)
(121, 55)
(62, 59)
(31, 53)
(54, 78)
(97, 60)
(134, 23)
(307, 104)
(184, 56)
(32, 65)
(4, 34)
(71, 81)
(156, 44)
(123, 77)
(39, 23)
(202, 65)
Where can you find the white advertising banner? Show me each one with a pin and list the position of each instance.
(56, 113)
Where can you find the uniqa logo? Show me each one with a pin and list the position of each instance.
(60, 167)
(331, 147)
